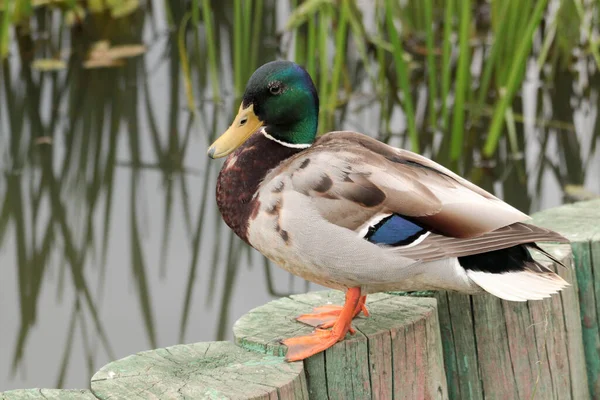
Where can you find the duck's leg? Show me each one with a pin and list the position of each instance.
(302, 347)
(325, 316)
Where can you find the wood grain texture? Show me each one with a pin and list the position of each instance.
(580, 223)
(211, 370)
(496, 349)
(395, 353)
(48, 394)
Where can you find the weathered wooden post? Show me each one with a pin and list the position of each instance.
(211, 370)
(495, 349)
(395, 353)
(580, 223)
(47, 394)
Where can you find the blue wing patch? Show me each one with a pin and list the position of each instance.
(394, 231)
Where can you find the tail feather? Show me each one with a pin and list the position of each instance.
(512, 274)
(545, 253)
(519, 285)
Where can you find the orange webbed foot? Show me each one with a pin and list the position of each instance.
(339, 318)
(325, 316)
(302, 347)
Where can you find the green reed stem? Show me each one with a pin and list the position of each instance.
(462, 83)
(506, 95)
(237, 47)
(490, 61)
(185, 63)
(311, 45)
(169, 13)
(247, 39)
(338, 61)
(4, 33)
(431, 65)
(325, 22)
(211, 49)
(402, 73)
(195, 12)
(256, 30)
(593, 42)
(446, 67)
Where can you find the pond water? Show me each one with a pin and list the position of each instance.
(110, 240)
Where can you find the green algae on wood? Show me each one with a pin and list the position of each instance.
(211, 370)
(47, 394)
(395, 353)
(580, 223)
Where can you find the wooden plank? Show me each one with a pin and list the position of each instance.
(495, 349)
(580, 223)
(48, 394)
(495, 366)
(573, 332)
(593, 346)
(460, 345)
(395, 353)
(212, 370)
(587, 311)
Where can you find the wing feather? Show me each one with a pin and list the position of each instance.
(436, 246)
(354, 178)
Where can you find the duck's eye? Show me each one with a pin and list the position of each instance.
(275, 88)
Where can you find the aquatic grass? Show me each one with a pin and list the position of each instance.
(311, 46)
(431, 63)
(7, 13)
(238, 58)
(593, 38)
(185, 64)
(323, 83)
(361, 38)
(403, 76)
(418, 21)
(493, 57)
(22, 9)
(445, 64)
(462, 82)
(514, 77)
(211, 49)
(338, 64)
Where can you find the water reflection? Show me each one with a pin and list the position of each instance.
(110, 239)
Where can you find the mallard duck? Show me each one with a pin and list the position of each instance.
(348, 212)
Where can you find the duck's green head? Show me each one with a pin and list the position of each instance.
(281, 100)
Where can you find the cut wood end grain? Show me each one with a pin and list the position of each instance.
(47, 394)
(200, 370)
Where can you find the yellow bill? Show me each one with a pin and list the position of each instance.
(244, 125)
